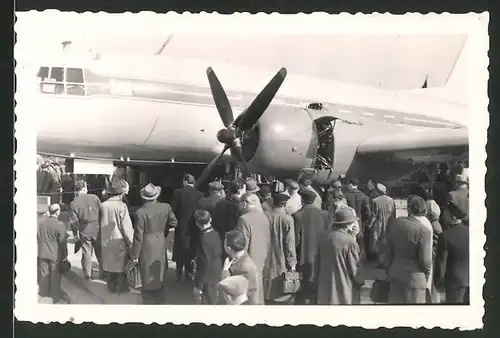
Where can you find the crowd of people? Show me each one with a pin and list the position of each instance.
(246, 244)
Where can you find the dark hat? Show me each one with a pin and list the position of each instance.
(115, 189)
(265, 190)
(307, 195)
(280, 198)
(215, 186)
(455, 210)
(354, 181)
(150, 192)
(344, 216)
(251, 185)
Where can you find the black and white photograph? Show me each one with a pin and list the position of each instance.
(170, 165)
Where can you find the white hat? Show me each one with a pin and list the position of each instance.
(381, 188)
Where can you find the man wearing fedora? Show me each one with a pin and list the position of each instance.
(281, 256)
(310, 224)
(152, 223)
(339, 257)
(116, 238)
(254, 225)
(184, 205)
(251, 187)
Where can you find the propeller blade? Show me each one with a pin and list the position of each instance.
(237, 154)
(261, 102)
(208, 169)
(220, 98)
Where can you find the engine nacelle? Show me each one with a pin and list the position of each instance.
(268, 149)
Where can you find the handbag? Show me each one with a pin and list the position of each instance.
(380, 291)
(291, 282)
(134, 276)
(64, 266)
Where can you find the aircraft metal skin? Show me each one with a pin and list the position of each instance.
(168, 121)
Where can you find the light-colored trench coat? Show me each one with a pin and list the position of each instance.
(116, 234)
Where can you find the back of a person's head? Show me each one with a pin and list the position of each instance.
(234, 187)
(235, 240)
(53, 209)
(188, 179)
(80, 185)
(202, 217)
(419, 191)
(251, 199)
(417, 206)
(354, 181)
(265, 191)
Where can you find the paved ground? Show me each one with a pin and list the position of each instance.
(81, 291)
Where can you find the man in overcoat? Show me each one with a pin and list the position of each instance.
(254, 225)
(227, 211)
(116, 239)
(52, 250)
(408, 255)
(152, 223)
(361, 204)
(452, 262)
(339, 257)
(460, 196)
(310, 224)
(184, 203)
(282, 253)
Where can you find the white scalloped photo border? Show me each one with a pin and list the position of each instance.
(474, 25)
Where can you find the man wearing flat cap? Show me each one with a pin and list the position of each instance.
(282, 253)
(116, 238)
(183, 205)
(215, 195)
(452, 259)
(310, 224)
(339, 257)
(152, 223)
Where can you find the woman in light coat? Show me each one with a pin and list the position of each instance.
(116, 239)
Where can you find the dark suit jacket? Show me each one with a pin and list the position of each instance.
(184, 202)
(408, 252)
(51, 238)
(310, 224)
(226, 215)
(361, 204)
(152, 222)
(452, 263)
(84, 215)
(208, 258)
(209, 203)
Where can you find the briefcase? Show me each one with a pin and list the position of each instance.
(291, 282)
(380, 291)
(64, 266)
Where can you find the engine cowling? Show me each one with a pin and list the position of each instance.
(282, 143)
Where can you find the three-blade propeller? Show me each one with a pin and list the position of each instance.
(231, 136)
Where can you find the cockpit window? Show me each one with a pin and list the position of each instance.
(62, 81)
(74, 75)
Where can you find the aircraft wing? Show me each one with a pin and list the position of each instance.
(419, 146)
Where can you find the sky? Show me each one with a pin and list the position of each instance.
(386, 61)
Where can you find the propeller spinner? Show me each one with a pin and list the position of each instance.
(231, 135)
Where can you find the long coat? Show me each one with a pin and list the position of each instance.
(338, 265)
(208, 203)
(184, 202)
(152, 222)
(255, 227)
(282, 255)
(116, 234)
(383, 211)
(310, 224)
